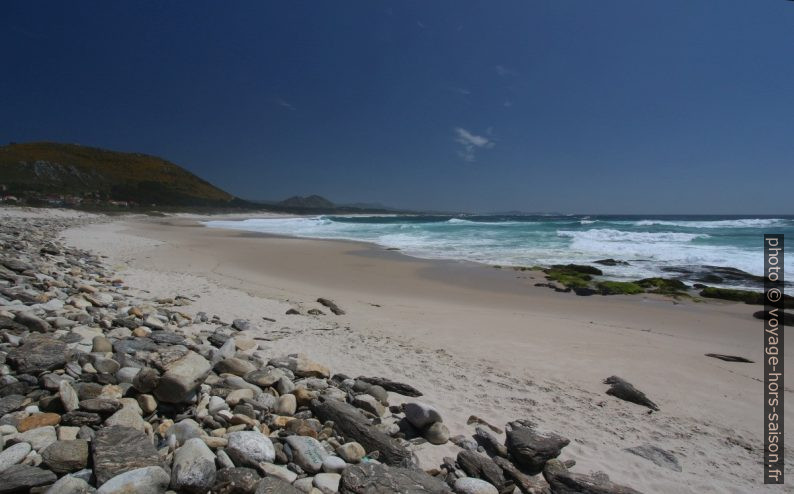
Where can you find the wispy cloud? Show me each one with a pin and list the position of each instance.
(460, 90)
(284, 104)
(471, 143)
(507, 103)
(504, 71)
(421, 25)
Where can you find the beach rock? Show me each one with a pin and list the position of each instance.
(100, 405)
(491, 445)
(287, 404)
(193, 469)
(100, 344)
(181, 378)
(367, 478)
(352, 425)
(13, 455)
(624, 390)
(421, 415)
(480, 466)
(562, 481)
(236, 480)
(307, 452)
(327, 483)
(236, 366)
(469, 485)
(38, 438)
(184, 430)
(145, 480)
(38, 420)
(788, 317)
(120, 449)
(530, 449)
(265, 378)
(351, 452)
(12, 402)
(272, 485)
(331, 306)
(370, 404)
(70, 485)
(38, 354)
(729, 358)
(66, 456)
(525, 483)
(333, 464)
(661, 457)
(32, 322)
(248, 448)
(392, 386)
(23, 478)
(146, 380)
(277, 471)
(437, 433)
(68, 396)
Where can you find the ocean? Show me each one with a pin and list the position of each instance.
(690, 248)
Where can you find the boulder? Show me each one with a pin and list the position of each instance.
(307, 452)
(66, 456)
(530, 449)
(421, 415)
(367, 478)
(249, 448)
(119, 449)
(145, 480)
(181, 378)
(193, 469)
(23, 478)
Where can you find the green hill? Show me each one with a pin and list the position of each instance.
(46, 168)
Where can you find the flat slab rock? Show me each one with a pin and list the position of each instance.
(659, 456)
(620, 388)
(273, 485)
(564, 482)
(21, 478)
(119, 449)
(38, 354)
(368, 478)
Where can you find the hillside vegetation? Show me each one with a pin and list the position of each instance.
(70, 169)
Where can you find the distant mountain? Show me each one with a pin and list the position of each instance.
(308, 202)
(47, 168)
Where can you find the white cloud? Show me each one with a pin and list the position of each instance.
(508, 103)
(285, 104)
(504, 71)
(471, 143)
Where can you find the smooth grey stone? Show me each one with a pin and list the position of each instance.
(193, 469)
(146, 480)
(248, 448)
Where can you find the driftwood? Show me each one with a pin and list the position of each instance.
(473, 419)
(352, 424)
(331, 306)
(393, 386)
(626, 391)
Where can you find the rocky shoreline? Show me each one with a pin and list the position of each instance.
(105, 391)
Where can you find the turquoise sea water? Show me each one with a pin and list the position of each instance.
(680, 246)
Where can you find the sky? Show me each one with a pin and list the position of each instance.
(612, 106)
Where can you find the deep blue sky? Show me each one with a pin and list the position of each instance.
(622, 106)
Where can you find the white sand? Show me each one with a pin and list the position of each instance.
(480, 341)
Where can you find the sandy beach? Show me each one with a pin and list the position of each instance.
(481, 341)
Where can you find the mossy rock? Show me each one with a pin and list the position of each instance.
(619, 288)
(570, 279)
(664, 286)
(577, 268)
(746, 296)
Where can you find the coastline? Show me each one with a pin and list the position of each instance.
(481, 341)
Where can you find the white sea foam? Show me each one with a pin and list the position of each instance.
(740, 223)
(529, 243)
